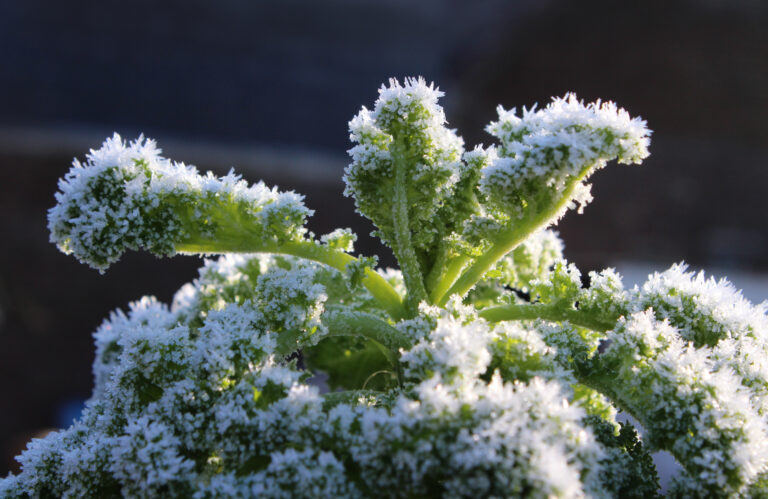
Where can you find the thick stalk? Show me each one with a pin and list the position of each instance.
(384, 293)
(508, 241)
(403, 248)
(450, 275)
(550, 312)
(436, 272)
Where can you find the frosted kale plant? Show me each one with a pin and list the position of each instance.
(483, 367)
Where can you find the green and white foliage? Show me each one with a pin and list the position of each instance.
(403, 144)
(546, 155)
(127, 196)
(483, 366)
(514, 273)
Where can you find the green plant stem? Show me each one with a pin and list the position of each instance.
(384, 293)
(447, 279)
(438, 268)
(508, 240)
(550, 312)
(403, 248)
(341, 322)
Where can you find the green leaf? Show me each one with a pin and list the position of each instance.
(351, 363)
(628, 469)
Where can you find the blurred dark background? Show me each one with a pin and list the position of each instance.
(268, 87)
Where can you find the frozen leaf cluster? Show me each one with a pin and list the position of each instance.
(545, 154)
(485, 365)
(127, 196)
(404, 134)
(196, 400)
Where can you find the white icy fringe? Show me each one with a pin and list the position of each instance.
(127, 196)
(719, 308)
(455, 351)
(556, 145)
(406, 126)
(405, 108)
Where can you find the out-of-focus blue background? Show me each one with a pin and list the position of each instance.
(268, 87)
